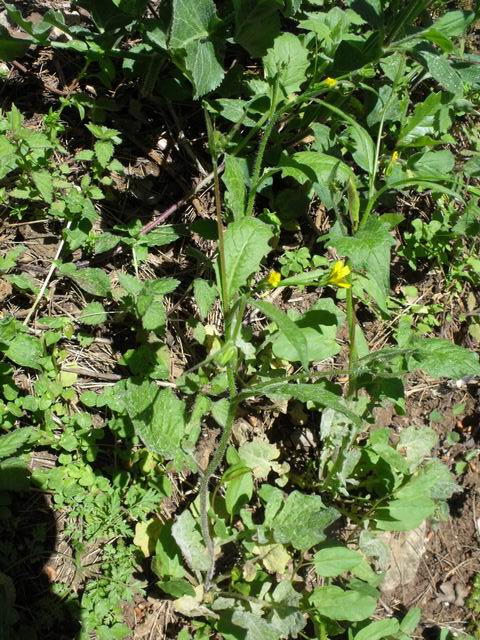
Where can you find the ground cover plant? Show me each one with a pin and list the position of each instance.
(240, 319)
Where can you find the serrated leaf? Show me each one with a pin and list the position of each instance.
(44, 184)
(187, 535)
(246, 244)
(92, 280)
(287, 63)
(93, 314)
(158, 416)
(191, 29)
(202, 62)
(104, 152)
(337, 604)
(152, 313)
(205, 295)
(441, 358)
(25, 351)
(11, 443)
(303, 520)
(287, 327)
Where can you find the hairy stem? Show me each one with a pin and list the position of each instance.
(204, 501)
(261, 152)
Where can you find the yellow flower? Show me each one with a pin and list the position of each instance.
(330, 82)
(394, 156)
(274, 278)
(338, 274)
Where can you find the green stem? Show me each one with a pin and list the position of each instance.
(211, 469)
(218, 210)
(352, 350)
(272, 118)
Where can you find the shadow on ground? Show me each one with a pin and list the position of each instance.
(31, 606)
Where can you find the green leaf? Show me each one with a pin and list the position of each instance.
(322, 171)
(432, 163)
(168, 560)
(177, 588)
(337, 604)
(12, 48)
(8, 155)
(287, 61)
(11, 443)
(303, 520)
(441, 70)
(369, 250)
(23, 281)
(192, 26)
(202, 62)
(187, 535)
(160, 236)
(442, 359)
(205, 295)
(287, 327)
(25, 351)
(104, 152)
(315, 393)
(246, 243)
(287, 615)
(44, 183)
(422, 121)
(319, 328)
(411, 620)
(454, 23)
(257, 628)
(405, 514)
(93, 314)
(239, 490)
(333, 561)
(152, 313)
(378, 629)
(236, 179)
(93, 281)
(364, 153)
(158, 416)
(249, 14)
